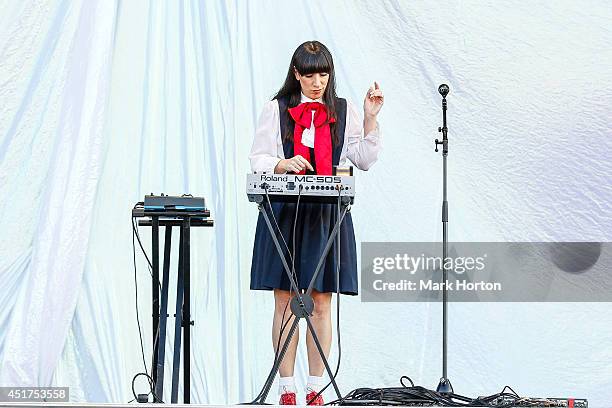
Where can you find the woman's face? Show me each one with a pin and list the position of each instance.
(313, 85)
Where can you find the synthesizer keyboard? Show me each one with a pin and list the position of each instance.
(310, 188)
(174, 203)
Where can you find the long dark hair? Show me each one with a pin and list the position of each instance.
(310, 57)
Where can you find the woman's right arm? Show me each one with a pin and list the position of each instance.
(265, 150)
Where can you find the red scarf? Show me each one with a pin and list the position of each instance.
(302, 115)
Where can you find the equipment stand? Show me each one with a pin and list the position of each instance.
(445, 385)
(302, 304)
(183, 220)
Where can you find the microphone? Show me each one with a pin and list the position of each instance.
(443, 89)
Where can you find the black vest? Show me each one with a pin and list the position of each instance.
(340, 126)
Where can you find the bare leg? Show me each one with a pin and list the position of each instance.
(281, 298)
(321, 321)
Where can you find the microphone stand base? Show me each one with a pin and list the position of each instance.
(445, 386)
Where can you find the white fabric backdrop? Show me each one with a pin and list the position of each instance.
(104, 102)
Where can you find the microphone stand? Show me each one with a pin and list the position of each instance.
(444, 386)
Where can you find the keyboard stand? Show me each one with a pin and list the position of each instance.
(183, 220)
(302, 304)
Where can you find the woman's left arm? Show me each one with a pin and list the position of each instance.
(364, 137)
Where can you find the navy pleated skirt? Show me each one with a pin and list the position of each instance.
(313, 227)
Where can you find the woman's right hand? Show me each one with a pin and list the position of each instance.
(294, 165)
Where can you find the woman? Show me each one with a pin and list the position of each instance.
(306, 128)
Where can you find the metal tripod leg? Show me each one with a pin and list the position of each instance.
(266, 388)
(186, 320)
(178, 320)
(154, 286)
(294, 284)
(163, 318)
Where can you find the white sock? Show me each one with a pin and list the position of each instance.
(286, 384)
(315, 383)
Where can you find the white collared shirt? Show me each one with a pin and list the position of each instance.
(267, 149)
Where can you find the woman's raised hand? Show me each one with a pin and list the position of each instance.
(374, 100)
(294, 165)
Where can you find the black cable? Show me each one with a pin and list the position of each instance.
(282, 329)
(280, 232)
(293, 273)
(140, 204)
(408, 378)
(135, 231)
(419, 396)
(276, 352)
(149, 264)
(297, 208)
(141, 246)
(144, 362)
(292, 256)
(151, 385)
(510, 388)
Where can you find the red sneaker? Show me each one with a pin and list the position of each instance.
(317, 401)
(287, 398)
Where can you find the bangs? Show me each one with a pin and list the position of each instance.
(309, 63)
